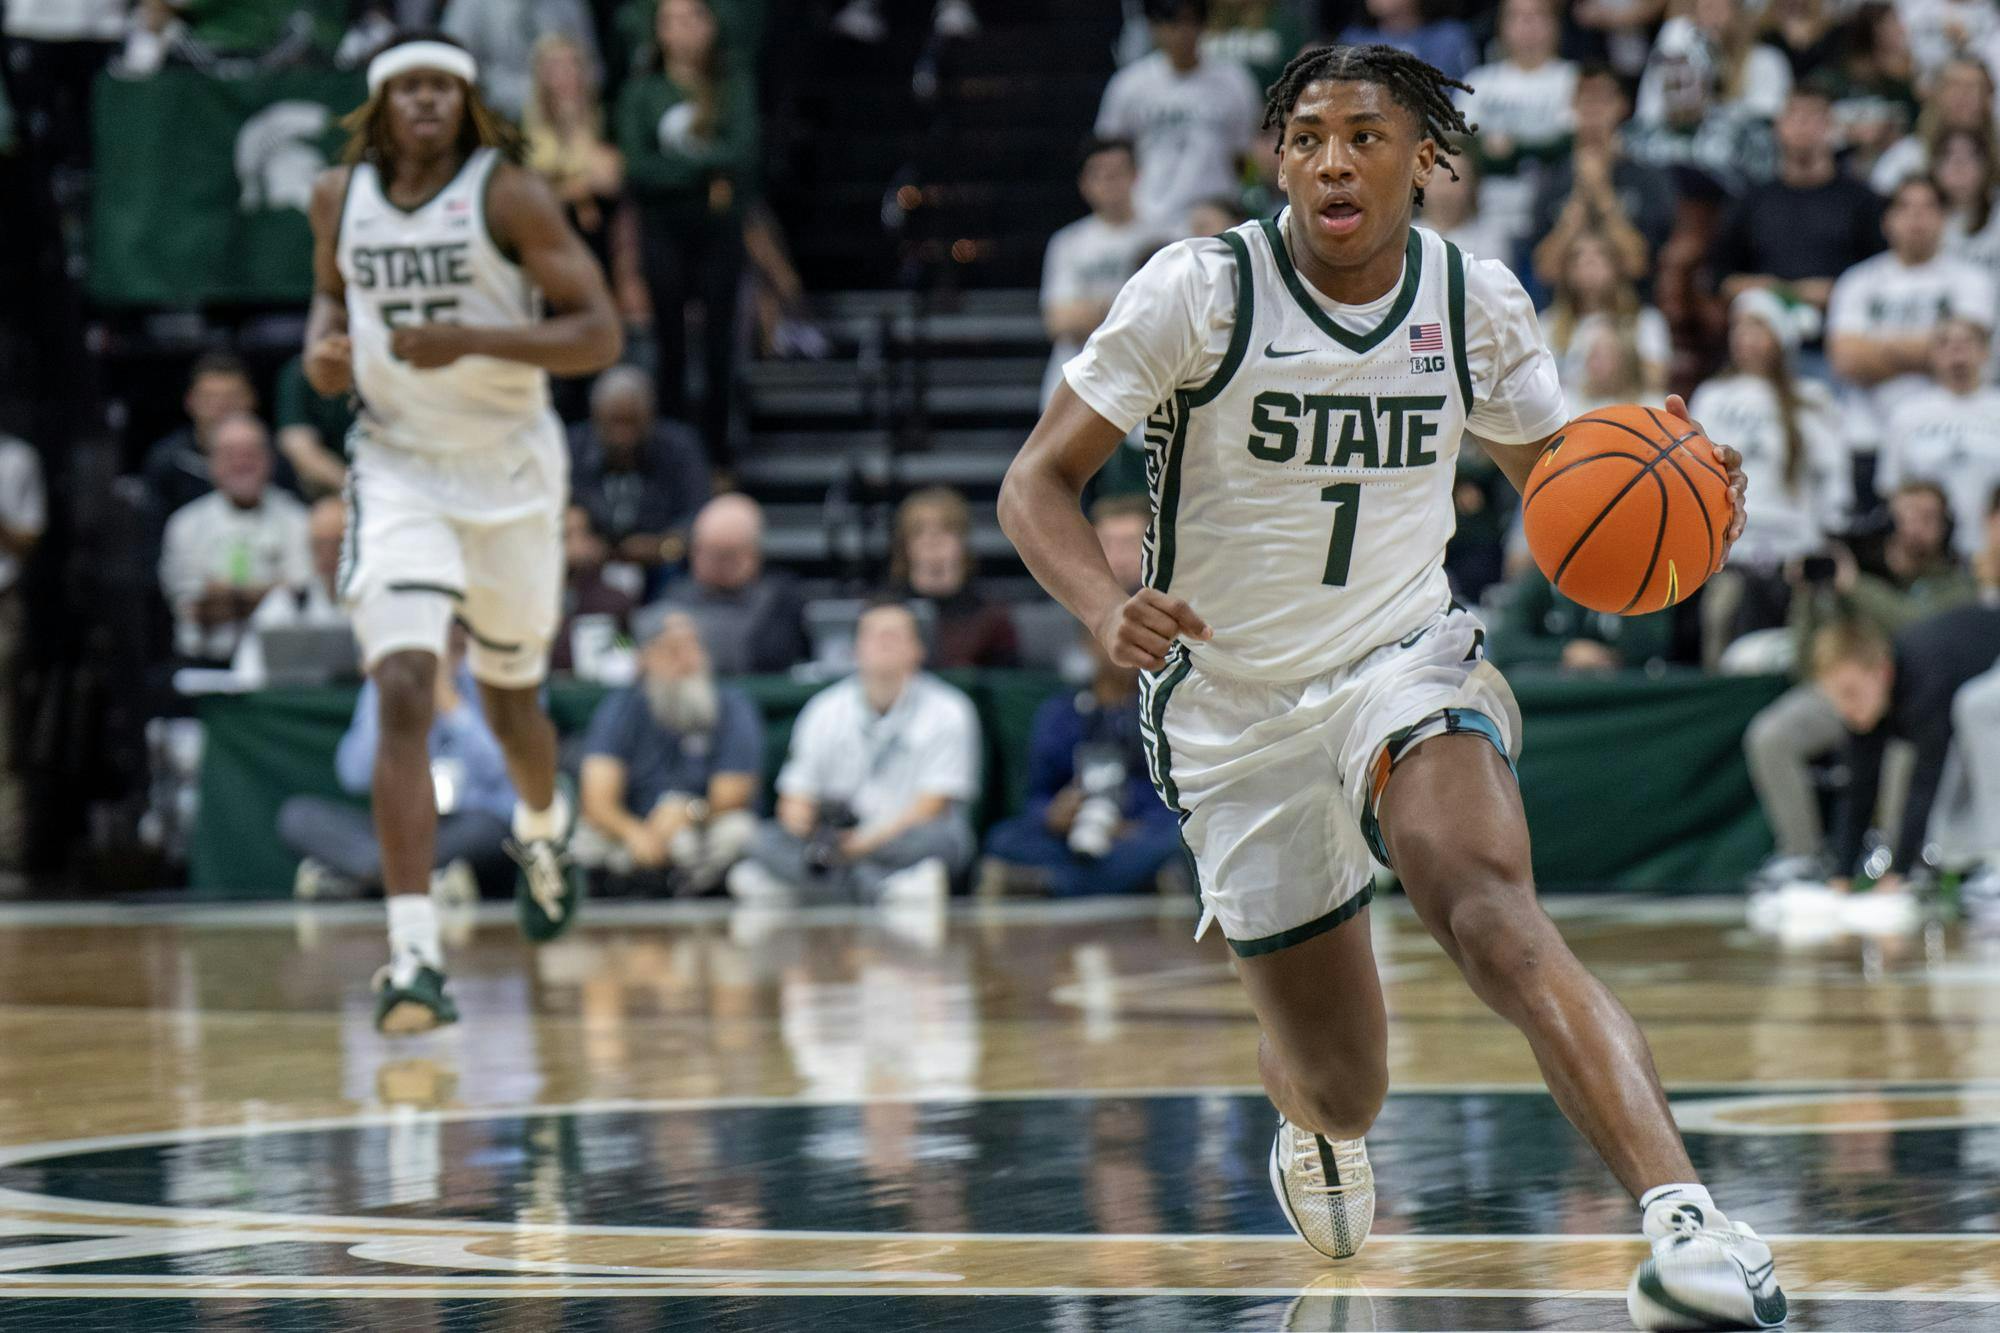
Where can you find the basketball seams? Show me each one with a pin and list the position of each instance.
(1659, 540)
(1663, 452)
(1673, 441)
(1708, 463)
(1707, 523)
(1645, 470)
(1535, 484)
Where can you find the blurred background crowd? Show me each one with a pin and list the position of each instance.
(854, 241)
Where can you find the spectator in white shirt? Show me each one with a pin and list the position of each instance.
(872, 798)
(1521, 107)
(1088, 261)
(1949, 432)
(224, 552)
(1594, 298)
(1941, 29)
(314, 602)
(1719, 39)
(1192, 121)
(1884, 309)
(1968, 172)
(1959, 96)
(1794, 452)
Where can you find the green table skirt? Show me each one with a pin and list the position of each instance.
(1629, 781)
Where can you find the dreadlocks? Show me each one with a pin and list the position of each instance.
(1420, 88)
(367, 125)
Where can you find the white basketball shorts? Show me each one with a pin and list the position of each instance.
(1276, 784)
(474, 537)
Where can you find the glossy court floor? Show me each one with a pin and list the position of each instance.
(1041, 1119)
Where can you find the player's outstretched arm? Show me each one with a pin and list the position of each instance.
(329, 357)
(1041, 511)
(581, 336)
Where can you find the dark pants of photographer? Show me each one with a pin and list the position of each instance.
(784, 855)
(1130, 866)
(341, 836)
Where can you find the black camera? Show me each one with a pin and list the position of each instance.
(823, 844)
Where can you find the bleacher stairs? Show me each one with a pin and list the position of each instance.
(918, 212)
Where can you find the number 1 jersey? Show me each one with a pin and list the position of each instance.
(1301, 453)
(435, 264)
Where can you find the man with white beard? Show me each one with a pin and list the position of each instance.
(670, 766)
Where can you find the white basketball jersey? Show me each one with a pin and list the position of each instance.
(436, 263)
(1302, 495)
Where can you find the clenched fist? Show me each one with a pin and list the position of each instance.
(1142, 628)
(431, 346)
(329, 365)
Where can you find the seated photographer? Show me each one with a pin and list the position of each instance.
(1093, 822)
(1903, 689)
(872, 799)
(670, 767)
(475, 799)
(1918, 578)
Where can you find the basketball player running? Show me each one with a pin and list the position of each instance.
(1311, 690)
(432, 257)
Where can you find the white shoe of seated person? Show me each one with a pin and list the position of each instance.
(925, 884)
(754, 886)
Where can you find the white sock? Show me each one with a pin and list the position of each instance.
(541, 825)
(413, 928)
(1677, 1194)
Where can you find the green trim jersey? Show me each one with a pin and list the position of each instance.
(1301, 452)
(435, 263)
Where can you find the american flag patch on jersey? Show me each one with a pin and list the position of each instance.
(1426, 337)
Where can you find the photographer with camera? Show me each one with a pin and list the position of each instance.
(1917, 576)
(670, 768)
(1093, 822)
(872, 798)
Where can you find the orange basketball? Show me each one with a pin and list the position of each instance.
(1626, 509)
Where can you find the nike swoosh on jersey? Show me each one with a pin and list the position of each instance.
(1271, 350)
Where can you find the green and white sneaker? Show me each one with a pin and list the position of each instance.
(550, 889)
(1706, 1273)
(1326, 1188)
(410, 998)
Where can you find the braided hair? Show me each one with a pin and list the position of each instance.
(1419, 87)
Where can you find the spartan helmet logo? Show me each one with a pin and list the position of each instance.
(278, 155)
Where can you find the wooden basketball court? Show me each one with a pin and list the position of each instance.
(1030, 1119)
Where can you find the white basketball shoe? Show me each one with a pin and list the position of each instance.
(1706, 1273)
(1326, 1188)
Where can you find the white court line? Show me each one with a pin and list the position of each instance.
(135, 1286)
(1723, 1115)
(281, 912)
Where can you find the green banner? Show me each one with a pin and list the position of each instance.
(1629, 781)
(202, 184)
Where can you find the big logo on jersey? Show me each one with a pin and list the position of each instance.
(1373, 432)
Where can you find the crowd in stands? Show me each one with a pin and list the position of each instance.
(1785, 212)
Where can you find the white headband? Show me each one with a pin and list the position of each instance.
(420, 55)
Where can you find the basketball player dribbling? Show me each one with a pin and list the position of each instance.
(1311, 691)
(433, 258)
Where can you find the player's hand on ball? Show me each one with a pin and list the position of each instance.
(329, 365)
(430, 346)
(1141, 630)
(1732, 462)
